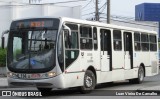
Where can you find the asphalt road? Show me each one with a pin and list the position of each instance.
(101, 91)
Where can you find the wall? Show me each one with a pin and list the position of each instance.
(152, 11)
(139, 12)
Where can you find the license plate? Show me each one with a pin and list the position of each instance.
(23, 76)
(28, 76)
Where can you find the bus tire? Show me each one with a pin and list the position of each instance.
(89, 82)
(140, 76)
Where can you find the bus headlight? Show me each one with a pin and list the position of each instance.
(10, 74)
(51, 74)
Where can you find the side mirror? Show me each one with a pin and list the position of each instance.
(3, 38)
(66, 28)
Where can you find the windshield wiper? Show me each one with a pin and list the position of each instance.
(21, 57)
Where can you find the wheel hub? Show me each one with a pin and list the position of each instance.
(88, 81)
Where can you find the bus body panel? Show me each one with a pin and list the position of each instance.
(117, 62)
(73, 79)
(154, 62)
(131, 73)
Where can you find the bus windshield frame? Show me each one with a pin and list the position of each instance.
(32, 49)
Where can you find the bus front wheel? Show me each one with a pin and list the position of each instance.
(140, 76)
(89, 82)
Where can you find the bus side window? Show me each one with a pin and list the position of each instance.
(117, 40)
(86, 37)
(153, 42)
(144, 42)
(137, 43)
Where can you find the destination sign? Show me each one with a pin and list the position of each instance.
(35, 24)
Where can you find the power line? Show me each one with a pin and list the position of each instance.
(88, 13)
(87, 4)
(104, 6)
(26, 4)
(88, 9)
(4, 2)
(120, 17)
(138, 23)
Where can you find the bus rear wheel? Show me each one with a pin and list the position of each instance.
(89, 82)
(140, 76)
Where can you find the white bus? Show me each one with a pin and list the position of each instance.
(64, 53)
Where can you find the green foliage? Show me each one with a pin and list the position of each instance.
(3, 53)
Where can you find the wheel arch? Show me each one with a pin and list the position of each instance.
(91, 68)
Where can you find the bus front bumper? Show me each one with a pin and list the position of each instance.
(55, 82)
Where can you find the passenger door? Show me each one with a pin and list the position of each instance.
(128, 51)
(106, 53)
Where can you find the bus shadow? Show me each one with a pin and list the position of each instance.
(63, 92)
(75, 92)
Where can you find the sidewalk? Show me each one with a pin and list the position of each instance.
(3, 82)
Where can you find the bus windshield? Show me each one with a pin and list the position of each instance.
(31, 50)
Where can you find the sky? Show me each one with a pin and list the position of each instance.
(127, 7)
(118, 7)
(124, 7)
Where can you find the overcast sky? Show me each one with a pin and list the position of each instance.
(127, 7)
(118, 7)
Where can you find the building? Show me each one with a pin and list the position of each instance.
(148, 12)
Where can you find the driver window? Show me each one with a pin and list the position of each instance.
(17, 47)
(66, 39)
(71, 44)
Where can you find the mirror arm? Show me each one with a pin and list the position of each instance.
(67, 28)
(3, 39)
(5, 32)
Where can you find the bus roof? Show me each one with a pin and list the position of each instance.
(95, 23)
(100, 24)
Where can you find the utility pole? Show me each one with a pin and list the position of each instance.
(108, 11)
(97, 11)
